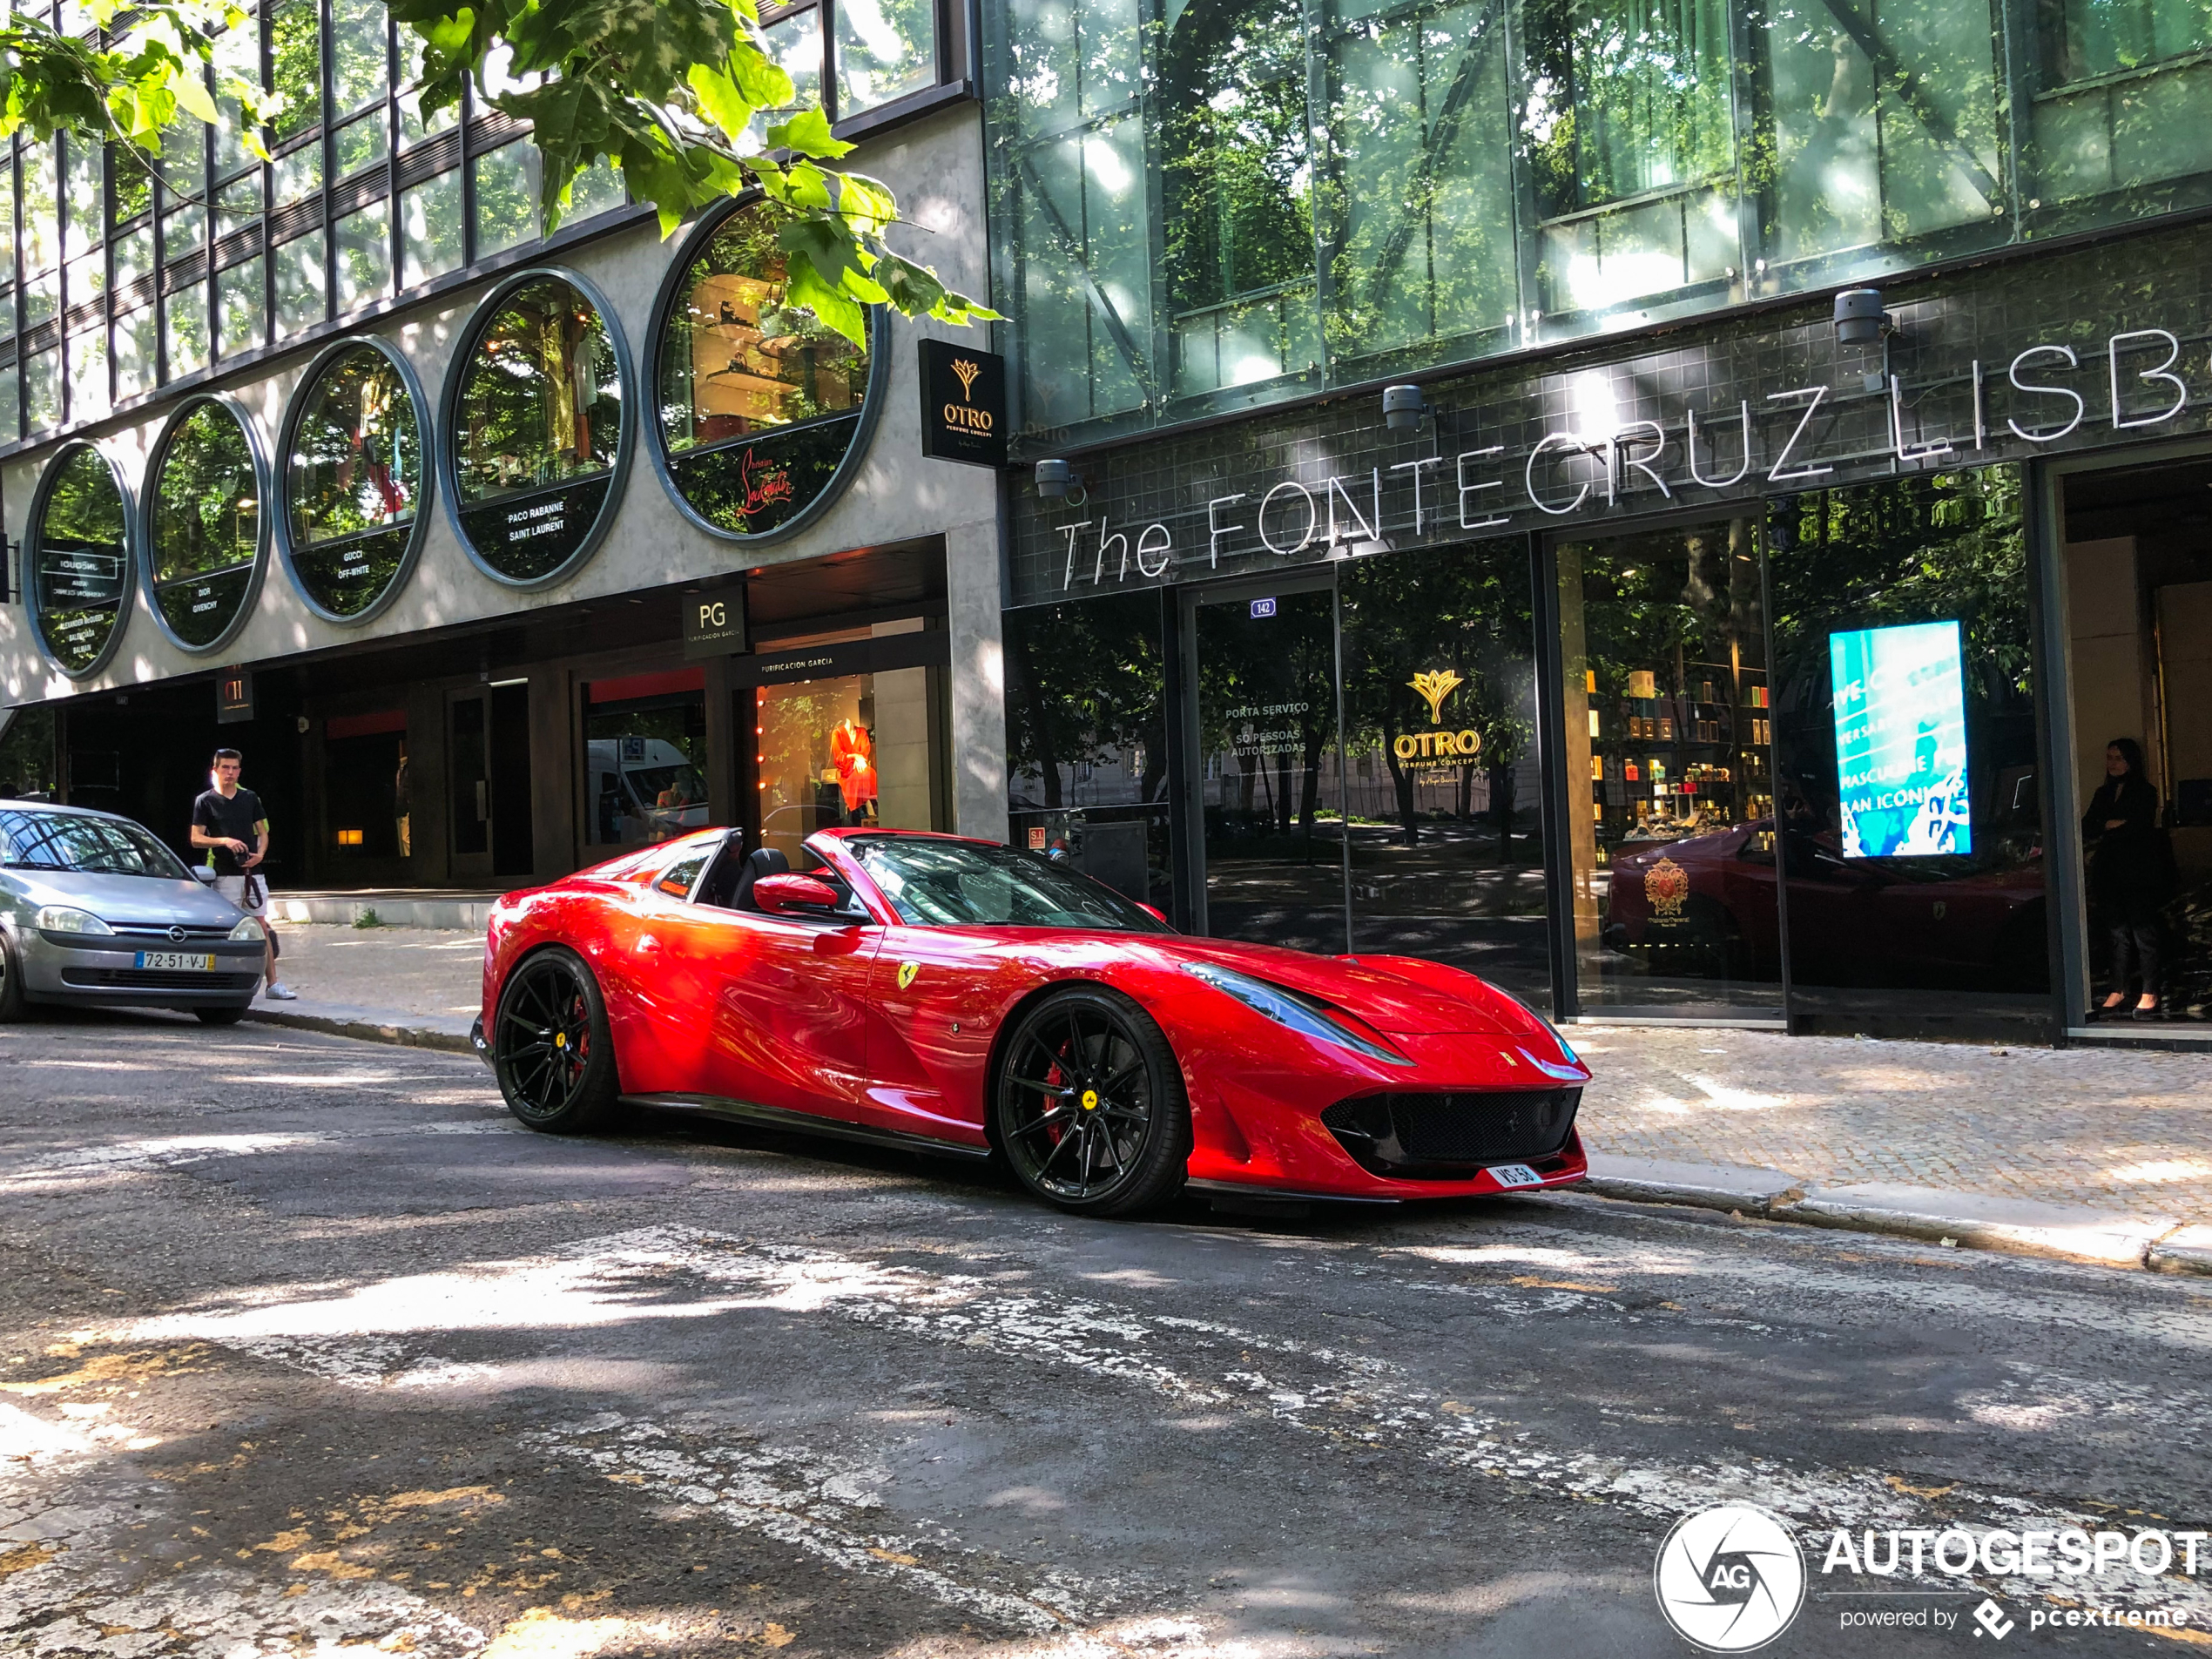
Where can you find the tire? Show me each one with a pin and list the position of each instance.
(13, 1004)
(550, 1047)
(1086, 1080)
(218, 1016)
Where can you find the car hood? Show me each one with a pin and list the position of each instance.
(1398, 998)
(123, 898)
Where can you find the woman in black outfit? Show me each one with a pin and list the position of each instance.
(2127, 872)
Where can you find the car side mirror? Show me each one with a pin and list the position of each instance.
(784, 895)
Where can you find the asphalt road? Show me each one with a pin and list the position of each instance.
(309, 1347)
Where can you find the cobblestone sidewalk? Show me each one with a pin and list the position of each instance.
(2103, 1127)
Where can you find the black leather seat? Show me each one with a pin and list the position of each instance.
(765, 860)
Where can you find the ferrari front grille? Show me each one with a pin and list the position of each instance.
(1448, 1136)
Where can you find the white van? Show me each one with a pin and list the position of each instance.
(644, 789)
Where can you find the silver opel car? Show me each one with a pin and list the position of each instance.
(94, 909)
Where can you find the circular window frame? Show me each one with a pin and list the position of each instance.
(124, 603)
(149, 503)
(450, 424)
(872, 398)
(425, 512)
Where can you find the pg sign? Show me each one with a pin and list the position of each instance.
(714, 622)
(963, 404)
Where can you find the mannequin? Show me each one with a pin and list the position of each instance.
(853, 746)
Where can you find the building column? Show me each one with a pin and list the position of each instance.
(974, 599)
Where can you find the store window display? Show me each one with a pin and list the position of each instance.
(760, 403)
(1667, 752)
(850, 751)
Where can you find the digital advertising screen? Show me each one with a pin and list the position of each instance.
(1901, 740)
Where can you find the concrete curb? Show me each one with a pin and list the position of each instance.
(2185, 1249)
(2017, 1226)
(365, 1026)
(2064, 1232)
(1710, 1186)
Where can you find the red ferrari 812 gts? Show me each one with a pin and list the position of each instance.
(961, 997)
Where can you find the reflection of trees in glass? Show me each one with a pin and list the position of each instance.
(1084, 685)
(541, 402)
(295, 56)
(2086, 37)
(77, 550)
(1463, 610)
(430, 228)
(357, 53)
(1419, 211)
(884, 50)
(1237, 180)
(506, 185)
(1937, 546)
(207, 503)
(1288, 663)
(355, 463)
(1625, 96)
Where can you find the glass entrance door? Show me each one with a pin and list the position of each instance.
(1266, 770)
(1668, 754)
(1447, 846)
(468, 778)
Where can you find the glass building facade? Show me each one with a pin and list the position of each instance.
(1207, 208)
(131, 276)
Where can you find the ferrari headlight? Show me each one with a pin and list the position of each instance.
(247, 928)
(1286, 1008)
(67, 919)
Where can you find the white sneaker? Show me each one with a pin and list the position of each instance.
(280, 993)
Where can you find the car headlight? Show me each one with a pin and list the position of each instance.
(247, 928)
(1286, 1008)
(67, 919)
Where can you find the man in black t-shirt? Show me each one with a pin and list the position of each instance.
(229, 822)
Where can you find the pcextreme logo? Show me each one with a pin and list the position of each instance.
(1730, 1580)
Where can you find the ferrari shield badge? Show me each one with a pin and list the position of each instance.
(906, 971)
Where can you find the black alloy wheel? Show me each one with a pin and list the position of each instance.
(1090, 1109)
(550, 1047)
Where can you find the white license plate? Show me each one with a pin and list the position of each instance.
(175, 959)
(1515, 1174)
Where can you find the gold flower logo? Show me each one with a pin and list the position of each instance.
(967, 368)
(1435, 685)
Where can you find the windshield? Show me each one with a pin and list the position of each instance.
(92, 846)
(963, 884)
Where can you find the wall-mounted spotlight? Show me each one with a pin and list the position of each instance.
(1860, 320)
(1403, 408)
(1059, 481)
